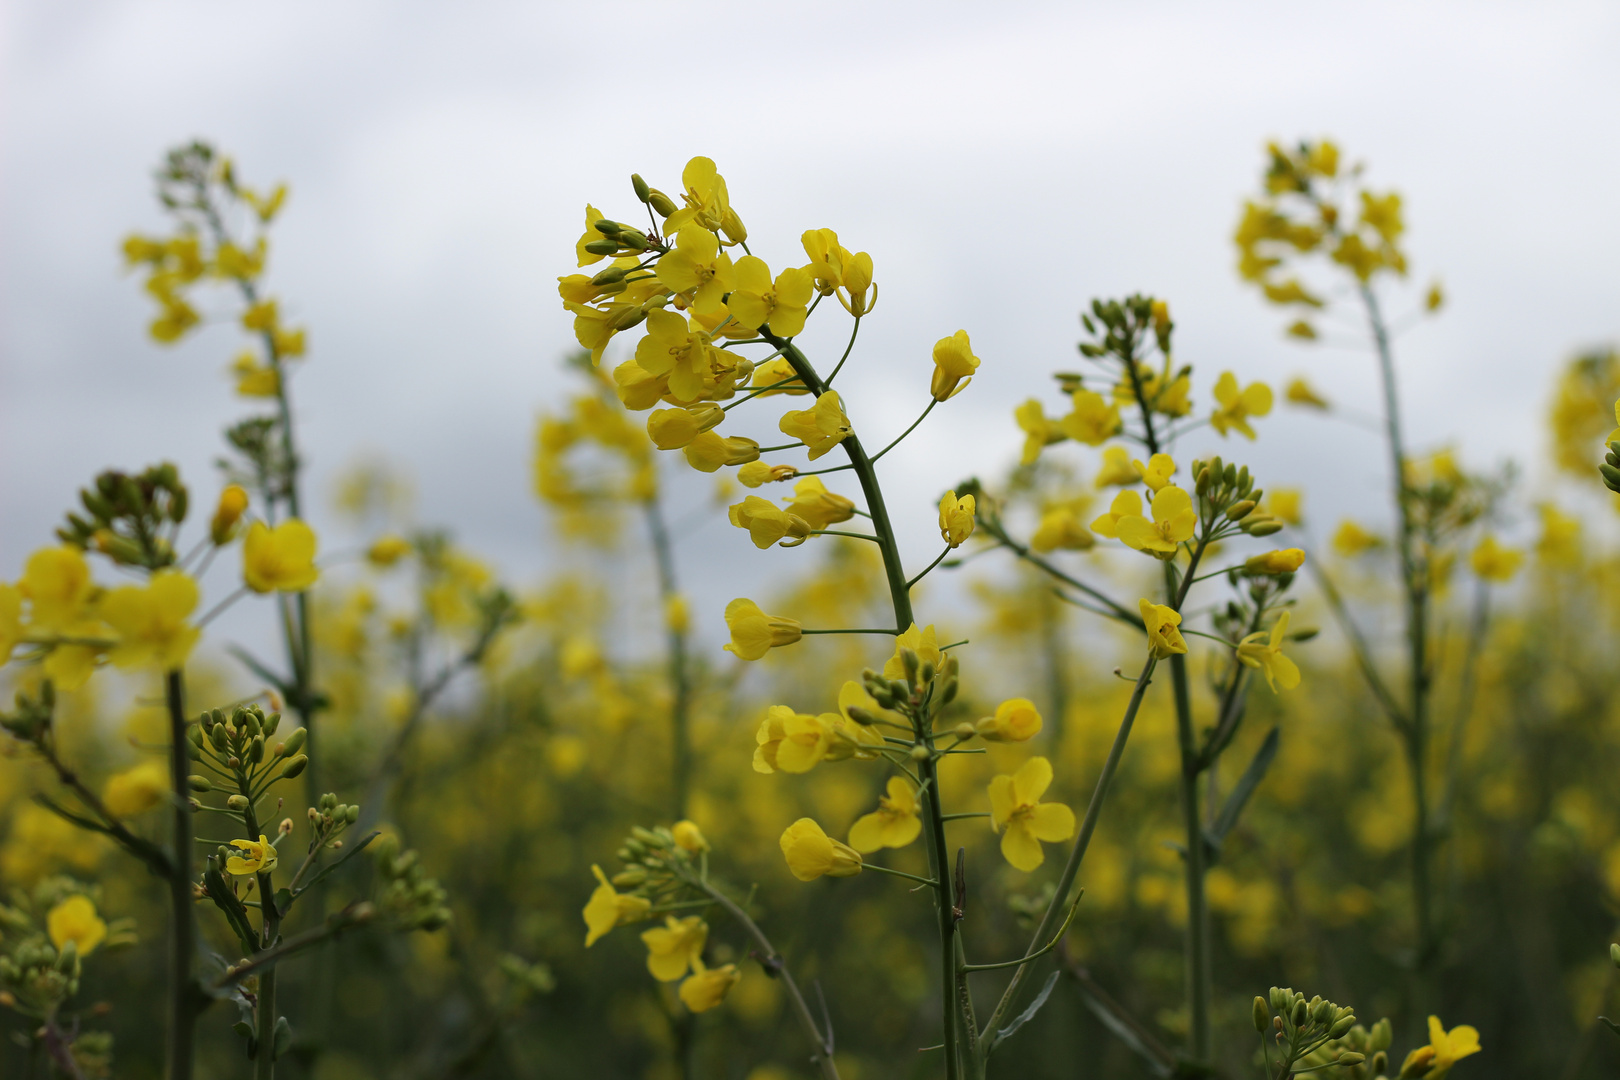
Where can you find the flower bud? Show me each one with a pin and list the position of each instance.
(200, 783)
(1239, 510)
(912, 664)
(965, 731)
(1350, 1057)
(237, 803)
(1342, 1025)
(660, 203)
(1300, 1013)
(689, 837)
(643, 192)
(1262, 1015)
(1262, 528)
(294, 766)
(233, 503)
(603, 247)
(608, 228)
(920, 753)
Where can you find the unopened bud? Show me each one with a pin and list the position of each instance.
(660, 203)
(860, 715)
(1300, 1014)
(1380, 1064)
(294, 742)
(1240, 510)
(1263, 528)
(965, 731)
(608, 228)
(602, 247)
(948, 688)
(237, 802)
(911, 663)
(643, 192)
(1340, 1026)
(920, 753)
(200, 783)
(294, 766)
(1262, 1015)
(1350, 1057)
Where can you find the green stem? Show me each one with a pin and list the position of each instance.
(680, 682)
(183, 991)
(927, 771)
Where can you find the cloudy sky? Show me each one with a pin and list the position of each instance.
(1002, 163)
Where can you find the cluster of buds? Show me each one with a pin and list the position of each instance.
(240, 743)
(659, 861)
(1610, 469)
(37, 977)
(130, 519)
(1303, 1029)
(329, 818)
(408, 898)
(1227, 489)
(924, 689)
(1123, 324)
(32, 718)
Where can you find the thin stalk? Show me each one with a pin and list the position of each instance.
(183, 991)
(680, 682)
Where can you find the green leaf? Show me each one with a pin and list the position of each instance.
(1246, 784)
(283, 1040)
(1034, 1007)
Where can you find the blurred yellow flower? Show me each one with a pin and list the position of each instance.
(1157, 472)
(675, 946)
(1445, 1049)
(1060, 527)
(1016, 720)
(233, 503)
(56, 582)
(136, 790)
(955, 518)
(893, 824)
(75, 920)
(707, 987)
(1161, 622)
(1127, 504)
(1560, 542)
(1259, 651)
(1299, 392)
(1493, 562)
(1039, 431)
(280, 559)
(689, 837)
(1283, 561)
(150, 621)
(1117, 469)
(1234, 406)
(1022, 819)
(387, 550)
(1351, 539)
(1093, 421)
(811, 853)
(11, 629)
(1285, 504)
(608, 908)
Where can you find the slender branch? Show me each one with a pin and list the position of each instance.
(930, 566)
(1038, 953)
(183, 993)
(1358, 642)
(356, 914)
(878, 456)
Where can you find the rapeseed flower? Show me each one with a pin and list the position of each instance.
(781, 304)
(754, 633)
(1284, 561)
(820, 427)
(136, 790)
(280, 559)
(953, 362)
(1015, 720)
(1173, 523)
(707, 987)
(1235, 406)
(675, 946)
(1493, 562)
(955, 518)
(150, 621)
(767, 523)
(1093, 421)
(893, 824)
(75, 920)
(1127, 504)
(1161, 622)
(1022, 819)
(608, 908)
(258, 857)
(1263, 652)
(811, 853)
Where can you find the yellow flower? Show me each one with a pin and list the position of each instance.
(758, 301)
(136, 790)
(754, 633)
(1560, 543)
(1016, 720)
(710, 450)
(1351, 539)
(1127, 504)
(955, 518)
(1493, 562)
(766, 524)
(1285, 505)
(685, 357)
(233, 503)
(56, 582)
(820, 427)
(1157, 472)
(675, 946)
(1039, 431)
(1257, 651)
(75, 920)
(857, 279)
(811, 853)
(1060, 527)
(689, 837)
(758, 472)
(818, 506)
(1022, 819)
(1284, 561)
(1236, 406)
(150, 621)
(924, 642)
(671, 429)
(827, 259)
(1445, 1049)
(608, 908)
(1173, 522)
(706, 988)
(707, 201)
(953, 362)
(258, 857)
(698, 267)
(796, 742)
(11, 630)
(1161, 622)
(388, 550)
(1299, 392)
(772, 372)
(893, 824)
(1117, 469)
(592, 216)
(254, 379)
(1093, 421)
(280, 559)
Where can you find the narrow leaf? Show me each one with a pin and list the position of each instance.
(1245, 786)
(1034, 1007)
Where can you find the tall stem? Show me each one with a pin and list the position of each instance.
(1200, 987)
(1415, 581)
(927, 770)
(183, 990)
(680, 682)
(264, 1063)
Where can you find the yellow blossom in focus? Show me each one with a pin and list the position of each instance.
(683, 357)
(1283, 561)
(754, 633)
(706, 988)
(280, 559)
(1493, 562)
(1161, 622)
(923, 642)
(1351, 539)
(756, 473)
(1127, 504)
(955, 518)
(795, 742)
(387, 550)
(258, 857)
(758, 301)
(1022, 819)
(1173, 523)
(1285, 504)
(893, 824)
(671, 429)
(827, 257)
(1259, 651)
(707, 201)
(233, 503)
(811, 853)
(953, 362)
(820, 427)
(698, 266)
(1016, 720)
(1299, 392)
(766, 524)
(710, 450)
(608, 908)
(675, 946)
(590, 235)
(779, 374)
(1234, 406)
(1093, 421)
(75, 920)
(1157, 472)
(136, 790)
(150, 621)
(1117, 469)
(818, 506)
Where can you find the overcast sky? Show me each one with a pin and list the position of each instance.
(1002, 164)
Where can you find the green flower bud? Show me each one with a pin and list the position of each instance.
(912, 664)
(272, 722)
(948, 688)
(608, 228)
(1350, 1057)
(217, 737)
(643, 192)
(1380, 1064)
(1262, 1015)
(1279, 998)
(660, 203)
(200, 783)
(1341, 1026)
(256, 749)
(194, 733)
(1240, 510)
(1300, 1013)
(920, 753)
(353, 815)
(294, 766)
(611, 276)
(1322, 1012)
(1614, 954)
(293, 743)
(1263, 528)
(602, 247)
(237, 803)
